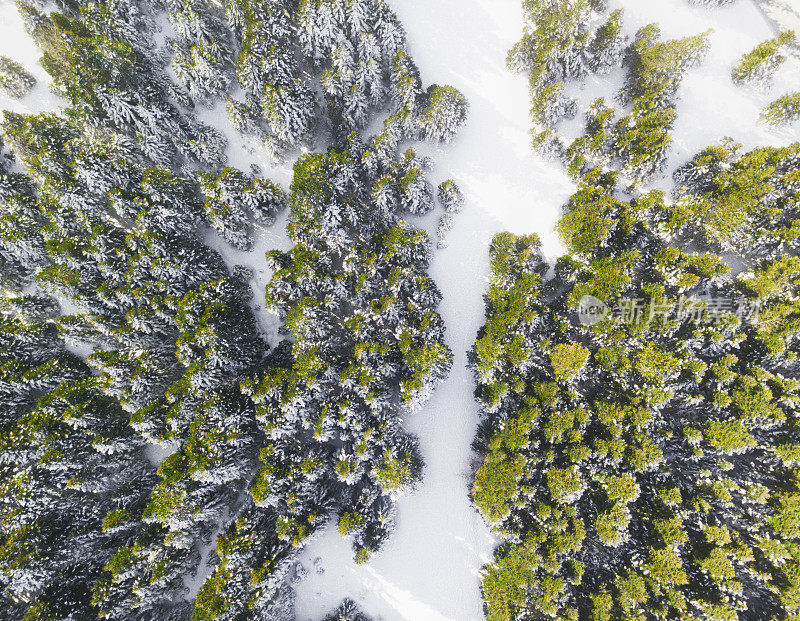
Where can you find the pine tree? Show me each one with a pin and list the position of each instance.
(450, 196)
(445, 113)
(268, 70)
(234, 201)
(15, 80)
(347, 611)
(758, 66)
(115, 83)
(202, 51)
(783, 110)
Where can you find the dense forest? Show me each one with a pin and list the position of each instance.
(640, 405)
(176, 429)
(148, 425)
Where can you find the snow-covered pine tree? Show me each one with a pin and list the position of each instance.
(355, 344)
(268, 70)
(202, 48)
(71, 463)
(347, 611)
(444, 114)
(113, 82)
(15, 80)
(450, 196)
(782, 111)
(234, 201)
(757, 67)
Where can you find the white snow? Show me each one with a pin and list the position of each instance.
(157, 453)
(710, 105)
(265, 239)
(15, 43)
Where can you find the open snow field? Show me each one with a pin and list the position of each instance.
(15, 43)
(429, 570)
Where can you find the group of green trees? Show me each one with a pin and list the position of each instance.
(366, 343)
(170, 333)
(121, 329)
(642, 462)
(757, 69)
(282, 54)
(565, 41)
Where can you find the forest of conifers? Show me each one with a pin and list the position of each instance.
(643, 463)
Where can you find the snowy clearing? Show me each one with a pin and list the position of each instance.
(430, 567)
(15, 43)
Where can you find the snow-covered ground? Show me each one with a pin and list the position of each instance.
(15, 43)
(429, 569)
(784, 15)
